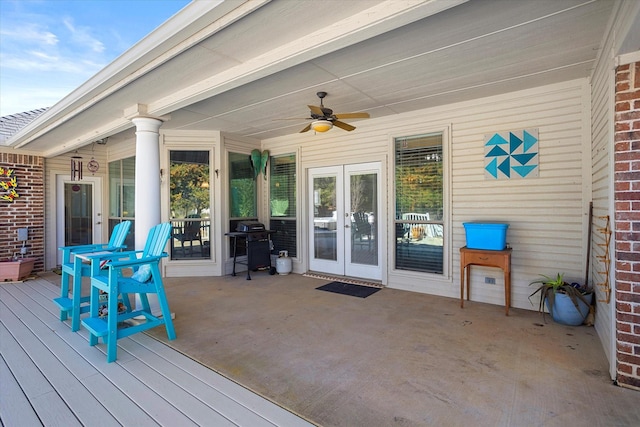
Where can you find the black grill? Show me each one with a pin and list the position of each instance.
(250, 227)
(258, 247)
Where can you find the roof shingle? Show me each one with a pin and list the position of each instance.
(11, 124)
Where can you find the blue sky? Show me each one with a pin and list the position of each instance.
(48, 48)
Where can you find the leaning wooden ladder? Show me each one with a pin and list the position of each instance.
(605, 259)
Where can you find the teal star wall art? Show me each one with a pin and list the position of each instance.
(512, 154)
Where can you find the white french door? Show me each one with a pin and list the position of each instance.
(78, 211)
(344, 223)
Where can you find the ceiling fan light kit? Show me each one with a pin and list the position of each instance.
(321, 125)
(324, 119)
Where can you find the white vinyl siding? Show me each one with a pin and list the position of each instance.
(602, 147)
(547, 214)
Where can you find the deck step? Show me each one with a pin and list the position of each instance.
(96, 326)
(127, 323)
(65, 304)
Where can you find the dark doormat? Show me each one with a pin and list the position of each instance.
(349, 289)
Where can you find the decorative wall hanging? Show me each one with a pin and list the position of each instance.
(259, 162)
(76, 167)
(511, 154)
(93, 166)
(9, 185)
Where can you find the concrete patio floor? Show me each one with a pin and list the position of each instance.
(395, 358)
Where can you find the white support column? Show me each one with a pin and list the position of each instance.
(147, 186)
(147, 177)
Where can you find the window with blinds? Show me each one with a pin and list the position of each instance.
(419, 203)
(243, 200)
(282, 201)
(122, 185)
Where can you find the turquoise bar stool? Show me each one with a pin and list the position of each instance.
(75, 267)
(145, 280)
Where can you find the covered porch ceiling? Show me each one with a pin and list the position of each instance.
(240, 66)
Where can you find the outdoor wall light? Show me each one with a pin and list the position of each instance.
(321, 125)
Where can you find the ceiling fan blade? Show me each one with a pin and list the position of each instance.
(343, 125)
(306, 128)
(294, 118)
(352, 116)
(316, 110)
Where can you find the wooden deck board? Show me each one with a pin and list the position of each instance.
(144, 402)
(35, 387)
(124, 409)
(230, 407)
(245, 397)
(55, 378)
(15, 408)
(206, 396)
(83, 404)
(175, 395)
(99, 380)
(216, 385)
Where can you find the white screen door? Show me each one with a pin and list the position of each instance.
(78, 211)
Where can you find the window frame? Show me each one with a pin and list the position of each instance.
(401, 274)
(292, 248)
(117, 190)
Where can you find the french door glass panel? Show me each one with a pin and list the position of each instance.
(344, 202)
(325, 218)
(364, 211)
(362, 198)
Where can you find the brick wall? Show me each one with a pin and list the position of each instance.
(627, 224)
(27, 210)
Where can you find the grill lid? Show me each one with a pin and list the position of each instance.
(250, 226)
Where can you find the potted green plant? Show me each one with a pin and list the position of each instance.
(568, 303)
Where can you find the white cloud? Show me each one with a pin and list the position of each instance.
(34, 61)
(82, 36)
(43, 56)
(29, 33)
(50, 47)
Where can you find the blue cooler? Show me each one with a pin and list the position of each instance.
(486, 235)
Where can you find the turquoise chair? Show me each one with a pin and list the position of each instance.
(145, 280)
(76, 267)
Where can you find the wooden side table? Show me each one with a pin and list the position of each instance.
(486, 258)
